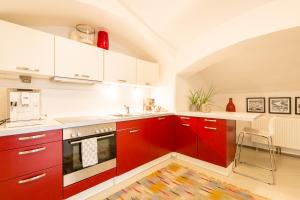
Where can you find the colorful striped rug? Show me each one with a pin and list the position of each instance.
(178, 182)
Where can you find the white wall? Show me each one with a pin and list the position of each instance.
(62, 99)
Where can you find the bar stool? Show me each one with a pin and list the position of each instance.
(268, 135)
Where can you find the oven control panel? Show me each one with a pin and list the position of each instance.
(82, 131)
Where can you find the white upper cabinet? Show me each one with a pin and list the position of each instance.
(147, 72)
(119, 68)
(78, 61)
(26, 51)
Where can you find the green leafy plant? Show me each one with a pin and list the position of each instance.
(205, 97)
(193, 97)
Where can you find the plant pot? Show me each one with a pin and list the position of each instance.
(205, 108)
(193, 108)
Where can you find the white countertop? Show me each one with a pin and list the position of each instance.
(50, 124)
(238, 116)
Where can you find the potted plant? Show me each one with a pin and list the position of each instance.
(193, 100)
(204, 99)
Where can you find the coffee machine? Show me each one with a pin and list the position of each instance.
(20, 104)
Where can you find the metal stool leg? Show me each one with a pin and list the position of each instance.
(236, 152)
(271, 160)
(241, 146)
(274, 154)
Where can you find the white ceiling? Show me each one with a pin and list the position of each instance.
(267, 63)
(157, 27)
(179, 22)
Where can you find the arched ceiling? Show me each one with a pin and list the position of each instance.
(160, 28)
(267, 63)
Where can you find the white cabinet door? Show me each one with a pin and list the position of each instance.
(26, 51)
(147, 72)
(77, 60)
(119, 68)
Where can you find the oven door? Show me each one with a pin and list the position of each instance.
(72, 160)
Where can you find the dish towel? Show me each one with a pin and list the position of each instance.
(89, 152)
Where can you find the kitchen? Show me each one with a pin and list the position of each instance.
(128, 99)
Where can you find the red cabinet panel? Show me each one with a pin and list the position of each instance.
(132, 145)
(215, 140)
(28, 139)
(17, 162)
(186, 135)
(88, 183)
(160, 134)
(45, 184)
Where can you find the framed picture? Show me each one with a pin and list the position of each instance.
(256, 104)
(280, 105)
(297, 105)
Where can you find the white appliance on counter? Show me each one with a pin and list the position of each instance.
(20, 105)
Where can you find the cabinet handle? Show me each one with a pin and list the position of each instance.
(185, 118)
(134, 131)
(122, 81)
(32, 137)
(187, 125)
(32, 179)
(82, 75)
(210, 128)
(28, 69)
(161, 118)
(210, 120)
(32, 151)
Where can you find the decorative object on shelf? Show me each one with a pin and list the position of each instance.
(86, 33)
(149, 104)
(280, 105)
(230, 106)
(193, 98)
(200, 100)
(297, 105)
(205, 99)
(102, 40)
(256, 104)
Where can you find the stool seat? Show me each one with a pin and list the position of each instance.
(252, 131)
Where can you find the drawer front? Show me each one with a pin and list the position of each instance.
(132, 124)
(29, 139)
(17, 162)
(45, 184)
(208, 124)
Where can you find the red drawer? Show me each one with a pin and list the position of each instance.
(45, 184)
(219, 124)
(88, 183)
(17, 162)
(131, 124)
(28, 139)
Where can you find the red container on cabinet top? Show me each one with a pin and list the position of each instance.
(230, 106)
(102, 41)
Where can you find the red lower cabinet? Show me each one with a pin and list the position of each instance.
(88, 183)
(216, 142)
(186, 135)
(45, 184)
(160, 134)
(132, 145)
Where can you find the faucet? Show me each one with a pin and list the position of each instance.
(127, 109)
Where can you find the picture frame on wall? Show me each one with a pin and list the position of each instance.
(280, 105)
(256, 104)
(297, 105)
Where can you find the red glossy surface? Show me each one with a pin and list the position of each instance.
(48, 187)
(186, 135)
(132, 145)
(103, 41)
(12, 142)
(160, 134)
(14, 165)
(88, 183)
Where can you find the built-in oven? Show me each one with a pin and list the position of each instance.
(72, 151)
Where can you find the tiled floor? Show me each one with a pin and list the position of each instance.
(287, 177)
